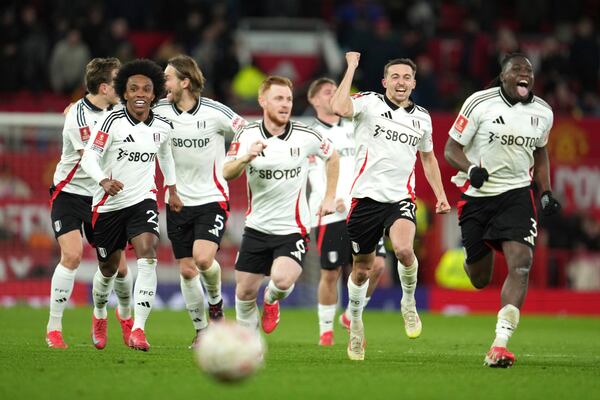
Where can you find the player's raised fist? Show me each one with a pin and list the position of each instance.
(255, 149)
(352, 58)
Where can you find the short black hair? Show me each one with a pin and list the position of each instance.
(141, 67)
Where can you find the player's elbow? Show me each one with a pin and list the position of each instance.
(450, 149)
(340, 107)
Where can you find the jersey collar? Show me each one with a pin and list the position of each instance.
(91, 105)
(191, 111)
(327, 124)
(286, 133)
(409, 109)
(511, 102)
(134, 121)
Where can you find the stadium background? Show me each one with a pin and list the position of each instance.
(45, 45)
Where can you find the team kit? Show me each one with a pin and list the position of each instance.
(347, 180)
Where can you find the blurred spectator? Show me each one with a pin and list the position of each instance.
(425, 93)
(33, 51)
(506, 43)
(383, 46)
(94, 30)
(189, 34)
(353, 14)
(473, 58)
(554, 65)
(9, 42)
(11, 186)
(67, 63)
(585, 56)
(117, 44)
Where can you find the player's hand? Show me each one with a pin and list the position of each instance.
(327, 207)
(340, 206)
(111, 186)
(478, 175)
(442, 206)
(550, 205)
(255, 149)
(175, 203)
(352, 58)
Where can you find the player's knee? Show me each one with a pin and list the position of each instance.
(245, 293)
(283, 282)
(479, 279)
(329, 278)
(521, 266)
(188, 271)
(71, 258)
(405, 255)
(203, 261)
(145, 250)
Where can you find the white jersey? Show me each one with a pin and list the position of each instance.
(277, 177)
(500, 136)
(387, 140)
(342, 137)
(198, 147)
(79, 122)
(126, 149)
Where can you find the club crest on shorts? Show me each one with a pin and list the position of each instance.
(332, 256)
(57, 226)
(355, 247)
(102, 252)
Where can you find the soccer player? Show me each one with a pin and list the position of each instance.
(499, 135)
(121, 157)
(389, 129)
(332, 238)
(198, 146)
(71, 200)
(274, 154)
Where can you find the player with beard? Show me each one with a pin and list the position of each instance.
(274, 154)
(121, 158)
(390, 130)
(498, 144)
(71, 200)
(198, 145)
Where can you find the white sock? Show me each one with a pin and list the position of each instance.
(61, 289)
(144, 291)
(356, 301)
(211, 278)
(191, 289)
(508, 320)
(101, 288)
(347, 311)
(246, 313)
(326, 315)
(123, 288)
(274, 294)
(408, 279)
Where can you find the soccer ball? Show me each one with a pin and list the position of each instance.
(230, 352)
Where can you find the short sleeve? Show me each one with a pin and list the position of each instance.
(466, 124)
(360, 101)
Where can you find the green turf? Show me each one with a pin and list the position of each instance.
(557, 358)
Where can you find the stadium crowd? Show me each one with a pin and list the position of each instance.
(457, 44)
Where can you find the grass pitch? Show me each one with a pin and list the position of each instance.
(557, 357)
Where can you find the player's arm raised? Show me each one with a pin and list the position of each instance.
(434, 177)
(340, 102)
(234, 168)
